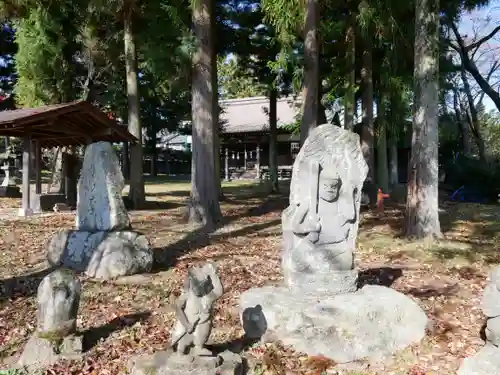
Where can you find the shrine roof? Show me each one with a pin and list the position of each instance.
(65, 124)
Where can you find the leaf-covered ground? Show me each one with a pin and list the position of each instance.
(133, 315)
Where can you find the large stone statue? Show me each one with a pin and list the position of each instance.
(321, 224)
(319, 310)
(103, 244)
(194, 309)
(487, 360)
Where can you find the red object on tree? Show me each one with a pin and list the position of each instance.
(380, 200)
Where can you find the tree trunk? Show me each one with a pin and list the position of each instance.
(273, 140)
(475, 124)
(126, 161)
(393, 163)
(215, 108)
(154, 158)
(464, 125)
(382, 164)
(422, 207)
(367, 132)
(311, 71)
(204, 205)
(136, 192)
(350, 95)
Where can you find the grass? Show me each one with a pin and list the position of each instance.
(134, 315)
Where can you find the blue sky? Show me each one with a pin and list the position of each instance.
(477, 24)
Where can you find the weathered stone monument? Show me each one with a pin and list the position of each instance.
(8, 187)
(57, 308)
(188, 354)
(103, 244)
(320, 310)
(487, 360)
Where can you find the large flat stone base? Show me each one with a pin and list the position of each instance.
(371, 323)
(171, 363)
(39, 352)
(485, 362)
(102, 255)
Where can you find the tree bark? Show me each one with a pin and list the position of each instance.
(422, 207)
(393, 163)
(136, 192)
(367, 132)
(463, 123)
(382, 164)
(475, 124)
(311, 71)
(126, 161)
(350, 95)
(273, 140)
(204, 205)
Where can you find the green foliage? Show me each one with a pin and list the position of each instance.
(235, 82)
(45, 64)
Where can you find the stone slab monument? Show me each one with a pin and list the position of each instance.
(188, 354)
(56, 336)
(103, 245)
(487, 360)
(8, 187)
(320, 310)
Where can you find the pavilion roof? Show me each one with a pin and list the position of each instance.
(66, 124)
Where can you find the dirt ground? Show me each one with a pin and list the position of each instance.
(133, 315)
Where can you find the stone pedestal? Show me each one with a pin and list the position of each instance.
(170, 363)
(103, 244)
(103, 255)
(369, 324)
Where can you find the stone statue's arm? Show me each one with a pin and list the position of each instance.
(218, 289)
(299, 224)
(181, 315)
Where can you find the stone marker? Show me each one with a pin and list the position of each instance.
(103, 244)
(57, 308)
(188, 354)
(487, 360)
(319, 310)
(100, 205)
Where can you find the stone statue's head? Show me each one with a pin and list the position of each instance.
(330, 165)
(199, 282)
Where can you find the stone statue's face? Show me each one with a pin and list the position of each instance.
(329, 187)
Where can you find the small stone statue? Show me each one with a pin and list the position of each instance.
(320, 225)
(194, 310)
(58, 299)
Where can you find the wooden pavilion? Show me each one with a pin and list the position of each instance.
(69, 124)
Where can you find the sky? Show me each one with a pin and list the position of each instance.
(476, 25)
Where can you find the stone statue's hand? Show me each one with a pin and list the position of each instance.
(192, 326)
(313, 237)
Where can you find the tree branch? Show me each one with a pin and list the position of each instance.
(476, 45)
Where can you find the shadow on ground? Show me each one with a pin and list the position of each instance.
(22, 286)
(167, 257)
(92, 336)
(384, 276)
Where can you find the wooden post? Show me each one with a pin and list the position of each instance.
(226, 165)
(257, 162)
(25, 209)
(245, 157)
(38, 167)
